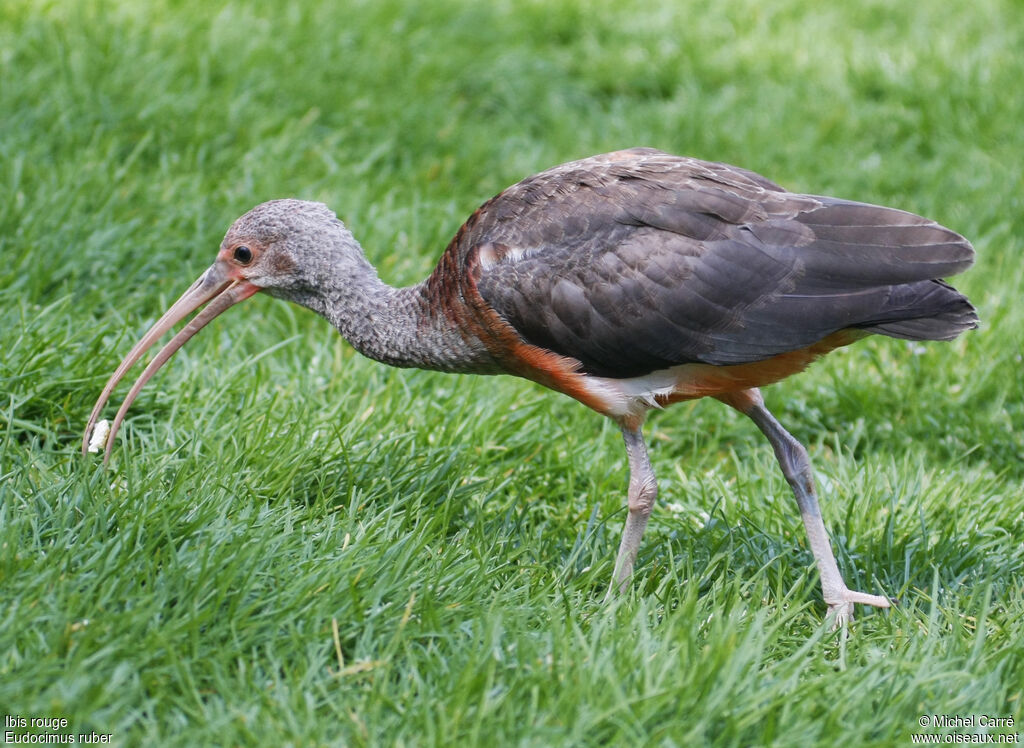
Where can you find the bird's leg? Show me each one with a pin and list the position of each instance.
(796, 467)
(643, 490)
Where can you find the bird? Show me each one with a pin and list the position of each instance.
(628, 281)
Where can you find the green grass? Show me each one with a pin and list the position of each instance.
(296, 546)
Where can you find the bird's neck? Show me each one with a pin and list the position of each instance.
(396, 326)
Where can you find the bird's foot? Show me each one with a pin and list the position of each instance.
(840, 606)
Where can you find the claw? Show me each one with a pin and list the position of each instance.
(840, 611)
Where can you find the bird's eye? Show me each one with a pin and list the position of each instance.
(243, 255)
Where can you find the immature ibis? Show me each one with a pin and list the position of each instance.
(628, 281)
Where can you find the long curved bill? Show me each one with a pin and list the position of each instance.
(214, 287)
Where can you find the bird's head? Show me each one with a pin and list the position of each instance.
(289, 248)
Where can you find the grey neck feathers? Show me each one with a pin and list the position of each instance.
(395, 326)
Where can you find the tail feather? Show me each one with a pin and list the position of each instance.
(928, 310)
(898, 254)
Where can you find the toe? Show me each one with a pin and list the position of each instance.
(841, 614)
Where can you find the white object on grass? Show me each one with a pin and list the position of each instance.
(98, 440)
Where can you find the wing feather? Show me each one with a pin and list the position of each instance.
(645, 261)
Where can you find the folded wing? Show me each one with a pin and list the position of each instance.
(646, 261)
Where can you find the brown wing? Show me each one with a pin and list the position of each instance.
(638, 260)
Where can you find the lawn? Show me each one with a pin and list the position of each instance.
(294, 545)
